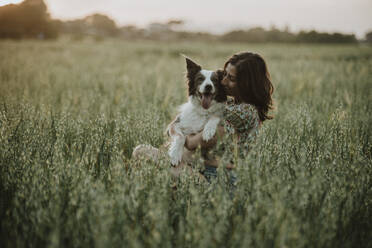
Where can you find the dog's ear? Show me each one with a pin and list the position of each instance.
(221, 95)
(220, 74)
(192, 67)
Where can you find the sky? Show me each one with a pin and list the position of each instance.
(347, 16)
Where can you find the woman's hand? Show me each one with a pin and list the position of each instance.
(208, 144)
(195, 140)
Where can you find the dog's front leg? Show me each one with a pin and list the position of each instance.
(210, 128)
(178, 140)
(176, 149)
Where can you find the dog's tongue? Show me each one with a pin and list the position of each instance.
(206, 100)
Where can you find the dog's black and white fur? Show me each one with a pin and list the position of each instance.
(203, 110)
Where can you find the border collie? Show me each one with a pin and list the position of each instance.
(203, 110)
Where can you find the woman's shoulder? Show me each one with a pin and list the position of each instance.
(242, 109)
(242, 117)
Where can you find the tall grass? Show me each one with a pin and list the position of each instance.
(71, 114)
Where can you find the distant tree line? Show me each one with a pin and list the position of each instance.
(259, 34)
(30, 19)
(96, 24)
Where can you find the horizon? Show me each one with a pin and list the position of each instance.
(332, 16)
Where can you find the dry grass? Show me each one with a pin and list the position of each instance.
(71, 113)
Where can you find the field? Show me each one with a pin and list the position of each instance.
(72, 112)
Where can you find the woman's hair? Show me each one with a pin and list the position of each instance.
(253, 81)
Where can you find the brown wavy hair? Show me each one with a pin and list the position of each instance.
(253, 81)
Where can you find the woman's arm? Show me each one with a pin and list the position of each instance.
(240, 118)
(195, 140)
(215, 163)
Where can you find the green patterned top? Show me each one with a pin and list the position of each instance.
(241, 123)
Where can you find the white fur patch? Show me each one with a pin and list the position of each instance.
(210, 128)
(207, 81)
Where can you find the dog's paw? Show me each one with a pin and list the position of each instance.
(208, 133)
(175, 155)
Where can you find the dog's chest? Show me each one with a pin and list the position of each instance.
(192, 120)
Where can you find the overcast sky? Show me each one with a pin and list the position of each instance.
(348, 16)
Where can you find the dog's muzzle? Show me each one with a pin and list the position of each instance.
(206, 99)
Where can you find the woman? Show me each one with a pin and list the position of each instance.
(247, 81)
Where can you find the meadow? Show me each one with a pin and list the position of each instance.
(72, 112)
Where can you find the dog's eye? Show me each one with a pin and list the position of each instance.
(199, 78)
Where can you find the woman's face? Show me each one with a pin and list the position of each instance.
(229, 81)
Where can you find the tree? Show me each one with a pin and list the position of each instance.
(316, 37)
(29, 19)
(369, 37)
(101, 25)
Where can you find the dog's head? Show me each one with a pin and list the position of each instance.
(205, 85)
